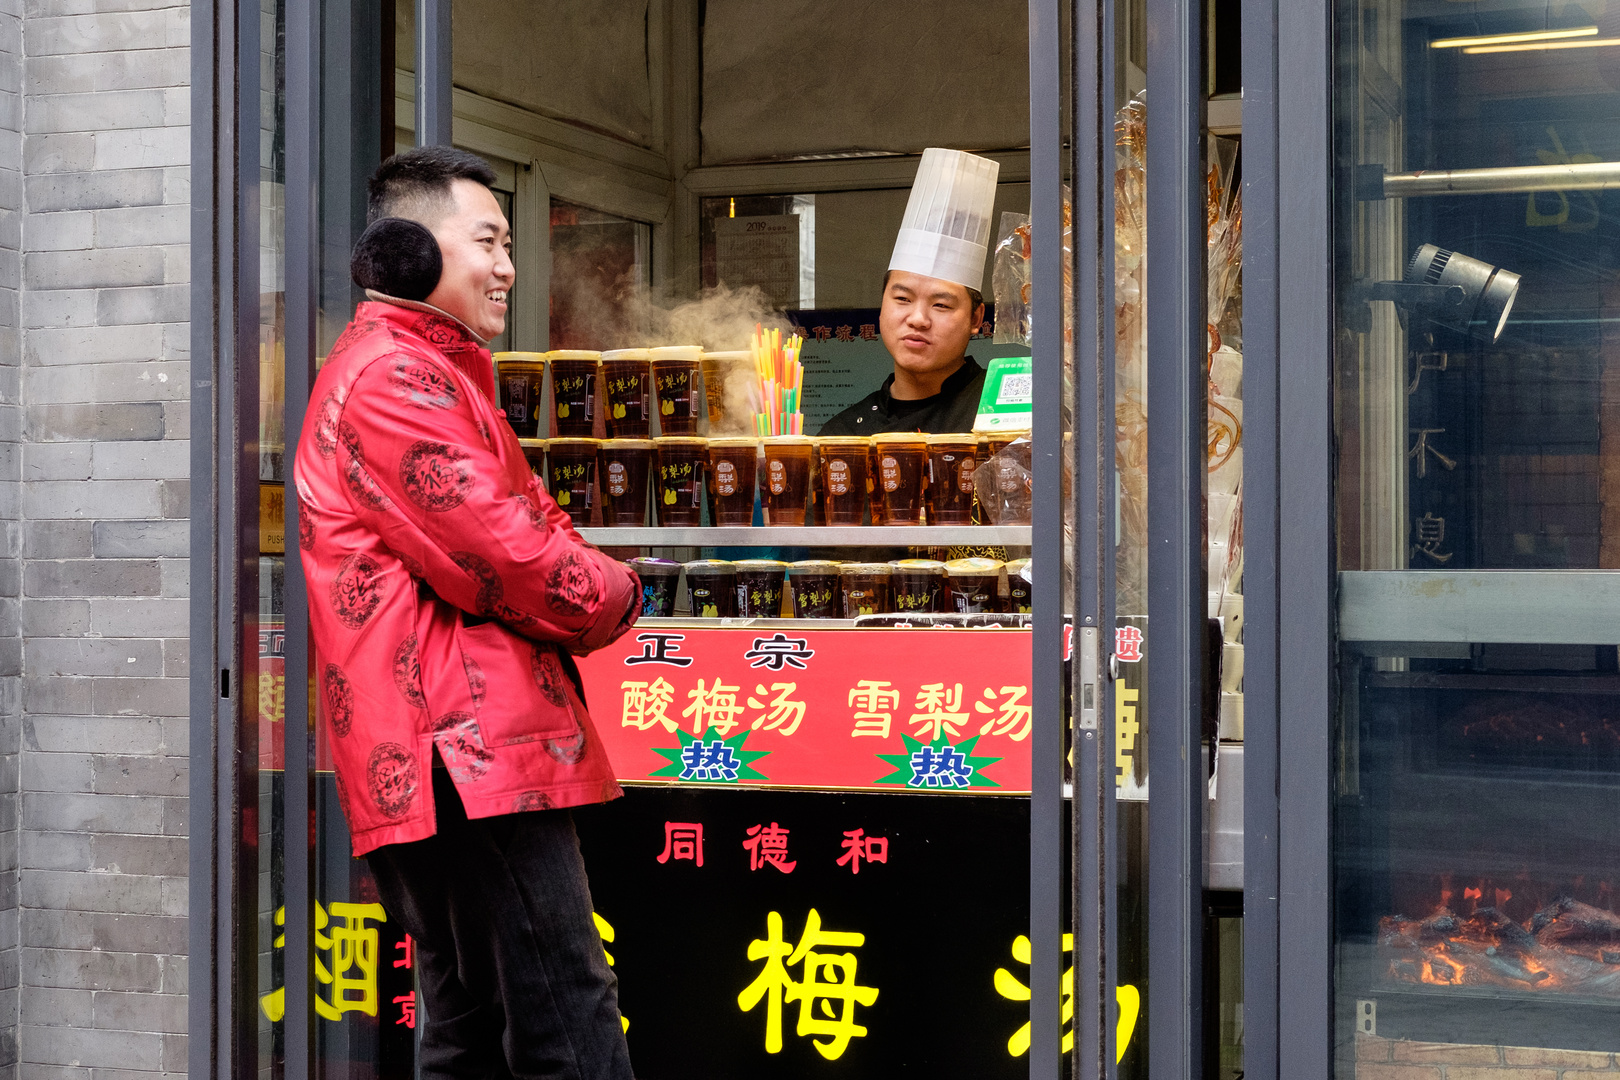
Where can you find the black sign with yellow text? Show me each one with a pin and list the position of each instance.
(808, 934)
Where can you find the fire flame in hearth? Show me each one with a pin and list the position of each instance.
(1566, 947)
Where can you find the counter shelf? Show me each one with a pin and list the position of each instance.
(813, 536)
(929, 621)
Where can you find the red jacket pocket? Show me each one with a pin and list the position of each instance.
(516, 686)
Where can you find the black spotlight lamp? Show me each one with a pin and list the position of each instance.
(1454, 290)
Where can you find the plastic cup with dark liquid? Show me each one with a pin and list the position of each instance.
(675, 387)
(659, 578)
(902, 476)
(731, 480)
(918, 585)
(1020, 597)
(815, 588)
(1012, 494)
(843, 478)
(573, 390)
(785, 487)
(626, 395)
(534, 452)
(951, 461)
(680, 462)
(874, 494)
(976, 585)
(520, 379)
(624, 469)
(571, 476)
(759, 588)
(717, 370)
(868, 588)
(711, 585)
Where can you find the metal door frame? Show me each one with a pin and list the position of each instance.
(1288, 530)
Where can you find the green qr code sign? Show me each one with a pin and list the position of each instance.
(1015, 390)
(1005, 404)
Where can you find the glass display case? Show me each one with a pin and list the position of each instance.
(1476, 760)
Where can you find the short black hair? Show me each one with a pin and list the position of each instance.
(975, 297)
(416, 184)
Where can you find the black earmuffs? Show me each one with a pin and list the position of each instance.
(397, 258)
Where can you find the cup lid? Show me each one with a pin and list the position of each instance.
(575, 441)
(734, 440)
(712, 566)
(655, 565)
(886, 437)
(759, 564)
(610, 355)
(520, 357)
(676, 352)
(727, 354)
(975, 567)
(919, 566)
(532, 444)
(626, 444)
(834, 441)
(877, 569)
(787, 440)
(952, 440)
(680, 440)
(814, 566)
(573, 354)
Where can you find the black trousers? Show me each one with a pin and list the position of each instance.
(514, 980)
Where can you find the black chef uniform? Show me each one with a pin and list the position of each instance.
(948, 412)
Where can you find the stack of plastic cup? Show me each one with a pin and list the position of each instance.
(785, 488)
(675, 387)
(678, 494)
(843, 478)
(519, 381)
(624, 470)
(732, 467)
(573, 390)
(901, 476)
(625, 393)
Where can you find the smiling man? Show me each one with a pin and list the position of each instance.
(931, 303)
(448, 595)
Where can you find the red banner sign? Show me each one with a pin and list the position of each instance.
(931, 711)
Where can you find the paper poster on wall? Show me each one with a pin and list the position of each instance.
(760, 251)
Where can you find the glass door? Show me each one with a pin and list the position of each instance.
(1476, 759)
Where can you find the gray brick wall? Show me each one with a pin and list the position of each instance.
(93, 498)
(11, 226)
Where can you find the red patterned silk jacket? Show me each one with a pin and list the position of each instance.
(446, 589)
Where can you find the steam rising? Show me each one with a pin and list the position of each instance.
(623, 315)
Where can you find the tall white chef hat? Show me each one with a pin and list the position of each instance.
(946, 230)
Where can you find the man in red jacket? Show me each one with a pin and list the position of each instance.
(447, 595)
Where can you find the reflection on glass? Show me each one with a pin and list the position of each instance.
(1476, 372)
(1130, 551)
(600, 274)
(261, 720)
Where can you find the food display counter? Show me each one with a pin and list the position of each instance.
(796, 789)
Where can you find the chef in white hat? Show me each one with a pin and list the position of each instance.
(932, 306)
